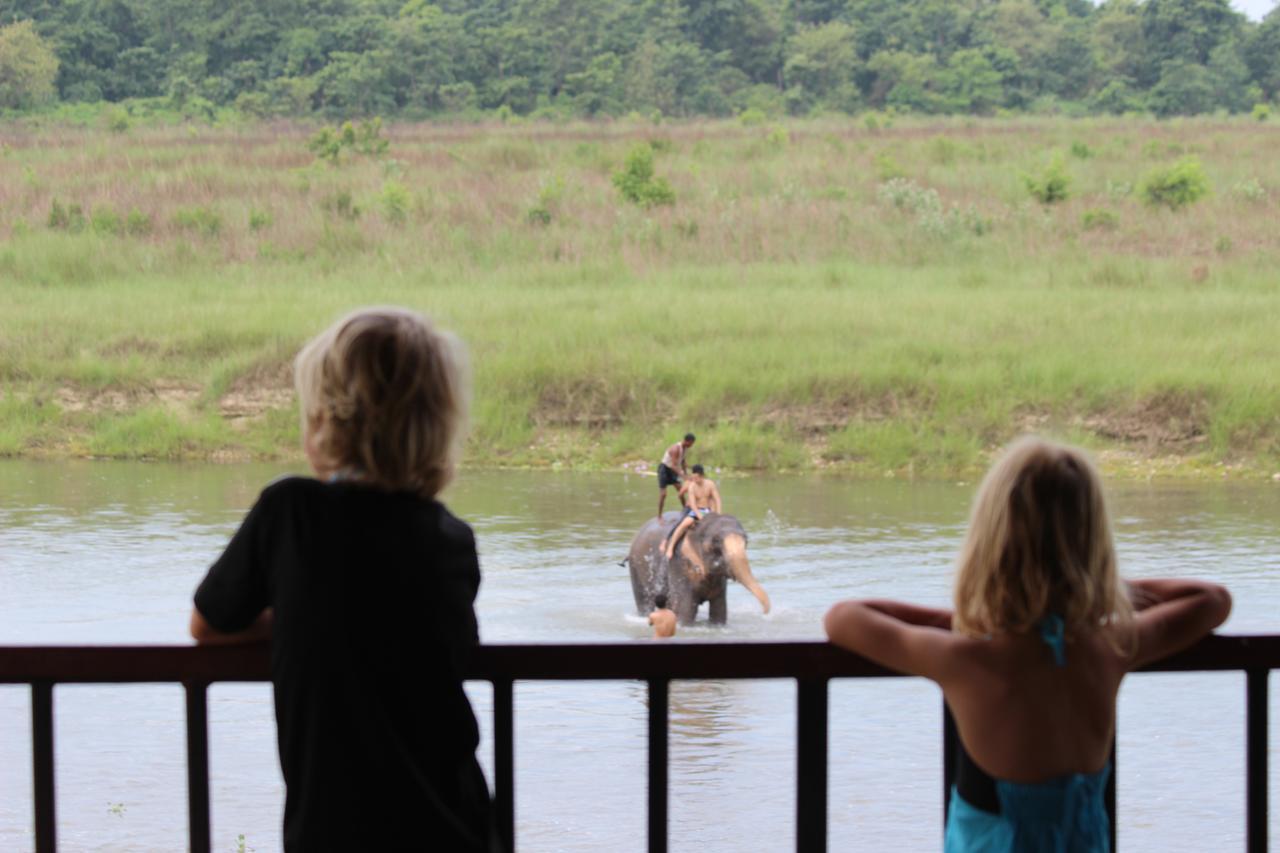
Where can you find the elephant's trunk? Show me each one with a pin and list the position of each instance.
(735, 553)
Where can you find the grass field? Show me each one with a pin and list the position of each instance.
(874, 299)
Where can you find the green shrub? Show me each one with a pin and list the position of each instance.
(1175, 186)
(342, 205)
(637, 183)
(1099, 219)
(777, 137)
(69, 218)
(259, 219)
(1051, 186)
(538, 215)
(137, 223)
(118, 120)
(1262, 112)
(203, 220)
(943, 151)
(1081, 151)
(906, 194)
(751, 117)
(887, 168)
(329, 143)
(1251, 190)
(395, 201)
(106, 221)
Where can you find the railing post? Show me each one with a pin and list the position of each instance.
(811, 765)
(198, 765)
(658, 694)
(504, 783)
(42, 765)
(1256, 743)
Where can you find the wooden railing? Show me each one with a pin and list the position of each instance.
(811, 665)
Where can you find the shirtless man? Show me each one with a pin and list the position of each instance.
(671, 467)
(662, 619)
(700, 497)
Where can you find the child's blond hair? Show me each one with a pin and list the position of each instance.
(1039, 543)
(384, 396)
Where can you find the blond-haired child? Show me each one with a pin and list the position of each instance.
(1031, 658)
(364, 584)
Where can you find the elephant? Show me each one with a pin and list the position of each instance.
(710, 553)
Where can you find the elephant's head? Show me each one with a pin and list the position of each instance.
(722, 544)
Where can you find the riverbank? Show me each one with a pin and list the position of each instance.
(820, 296)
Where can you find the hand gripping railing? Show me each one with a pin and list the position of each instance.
(812, 665)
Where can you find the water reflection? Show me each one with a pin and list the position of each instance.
(110, 553)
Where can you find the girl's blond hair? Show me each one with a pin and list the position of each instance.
(1039, 543)
(384, 395)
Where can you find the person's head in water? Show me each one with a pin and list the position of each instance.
(659, 602)
(697, 471)
(688, 440)
(383, 395)
(1039, 543)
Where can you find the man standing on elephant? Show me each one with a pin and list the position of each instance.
(671, 467)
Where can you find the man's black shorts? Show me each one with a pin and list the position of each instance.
(667, 477)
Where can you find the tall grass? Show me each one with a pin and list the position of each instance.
(785, 308)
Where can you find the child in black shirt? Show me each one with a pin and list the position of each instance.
(364, 584)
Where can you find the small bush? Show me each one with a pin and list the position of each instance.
(777, 137)
(395, 201)
(203, 220)
(1176, 186)
(106, 221)
(1099, 219)
(1251, 190)
(1081, 151)
(637, 183)
(752, 117)
(259, 219)
(69, 218)
(887, 168)
(329, 143)
(906, 194)
(137, 223)
(1262, 112)
(943, 151)
(1051, 186)
(342, 205)
(118, 121)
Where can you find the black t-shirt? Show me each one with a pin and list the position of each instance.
(373, 595)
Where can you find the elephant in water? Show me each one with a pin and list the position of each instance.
(711, 553)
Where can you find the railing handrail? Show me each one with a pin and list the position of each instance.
(811, 664)
(670, 659)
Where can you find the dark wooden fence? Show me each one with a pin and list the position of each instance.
(811, 665)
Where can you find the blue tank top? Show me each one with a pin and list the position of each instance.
(1066, 814)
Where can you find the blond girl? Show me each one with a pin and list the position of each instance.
(1030, 659)
(364, 583)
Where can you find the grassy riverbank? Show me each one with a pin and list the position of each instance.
(820, 295)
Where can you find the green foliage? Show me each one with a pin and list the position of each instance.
(544, 209)
(137, 223)
(888, 168)
(201, 220)
(1261, 112)
(395, 201)
(637, 183)
(342, 205)
(1099, 219)
(752, 117)
(69, 218)
(1081, 151)
(28, 67)
(1051, 186)
(1175, 186)
(118, 120)
(330, 143)
(106, 222)
(1251, 190)
(259, 219)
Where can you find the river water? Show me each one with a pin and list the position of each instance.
(111, 552)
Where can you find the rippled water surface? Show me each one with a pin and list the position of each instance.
(111, 552)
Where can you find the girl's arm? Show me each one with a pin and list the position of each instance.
(1174, 614)
(905, 637)
(207, 635)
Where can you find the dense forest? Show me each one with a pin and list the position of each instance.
(416, 59)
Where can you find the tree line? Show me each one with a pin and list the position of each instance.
(416, 59)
